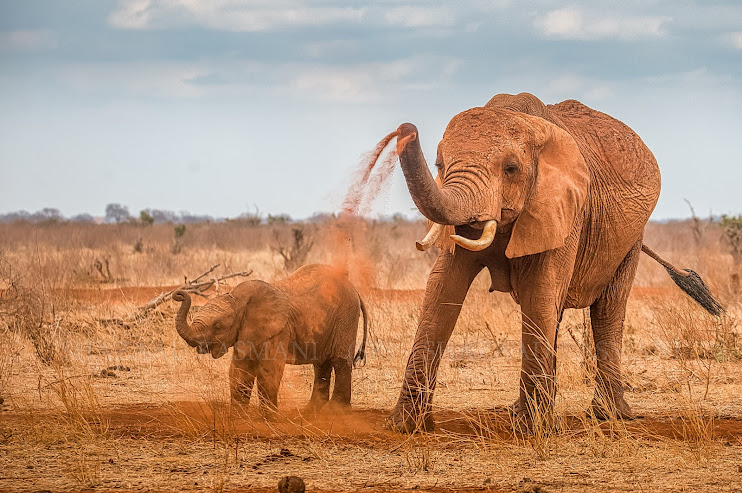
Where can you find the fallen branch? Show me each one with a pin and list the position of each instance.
(196, 286)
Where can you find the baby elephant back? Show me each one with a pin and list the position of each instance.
(326, 310)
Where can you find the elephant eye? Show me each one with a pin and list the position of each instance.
(511, 168)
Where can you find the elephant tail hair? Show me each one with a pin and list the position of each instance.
(359, 359)
(690, 282)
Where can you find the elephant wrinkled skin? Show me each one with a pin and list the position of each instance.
(310, 317)
(560, 195)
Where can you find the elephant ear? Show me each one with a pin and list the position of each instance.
(557, 196)
(265, 312)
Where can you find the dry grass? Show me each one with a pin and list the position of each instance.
(90, 403)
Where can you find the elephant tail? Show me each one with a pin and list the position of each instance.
(690, 282)
(360, 358)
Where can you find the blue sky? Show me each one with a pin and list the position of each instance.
(217, 107)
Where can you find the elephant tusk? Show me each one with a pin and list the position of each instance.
(430, 238)
(488, 234)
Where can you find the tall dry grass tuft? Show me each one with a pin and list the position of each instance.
(84, 469)
(697, 342)
(697, 426)
(81, 409)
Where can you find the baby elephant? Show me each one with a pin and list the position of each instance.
(310, 317)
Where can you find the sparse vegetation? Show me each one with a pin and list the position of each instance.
(96, 397)
(732, 227)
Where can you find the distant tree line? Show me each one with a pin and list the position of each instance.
(116, 213)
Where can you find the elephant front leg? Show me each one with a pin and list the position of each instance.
(540, 320)
(270, 372)
(607, 315)
(446, 290)
(242, 373)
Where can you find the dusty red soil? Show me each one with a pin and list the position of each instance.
(313, 490)
(361, 427)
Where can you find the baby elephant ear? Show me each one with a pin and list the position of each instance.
(557, 196)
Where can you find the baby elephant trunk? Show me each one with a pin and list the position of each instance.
(181, 322)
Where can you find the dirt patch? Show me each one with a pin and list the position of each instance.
(365, 427)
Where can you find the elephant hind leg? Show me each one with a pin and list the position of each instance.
(321, 387)
(607, 315)
(341, 391)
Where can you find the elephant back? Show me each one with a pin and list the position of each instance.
(610, 147)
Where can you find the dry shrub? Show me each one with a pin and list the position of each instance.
(293, 247)
(32, 306)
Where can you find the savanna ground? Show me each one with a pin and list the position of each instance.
(98, 398)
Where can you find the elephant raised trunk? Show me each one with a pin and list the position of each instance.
(181, 319)
(441, 205)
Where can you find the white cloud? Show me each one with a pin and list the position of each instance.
(418, 16)
(372, 81)
(27, 40)
(306, 82)
(131, 14)
(228, 15)
(574, 23)
(736, 40)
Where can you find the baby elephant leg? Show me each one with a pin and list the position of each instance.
(242, 373)
(343, 372)
(269, 374)
(321, 387)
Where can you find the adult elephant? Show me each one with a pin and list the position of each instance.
(553, 201)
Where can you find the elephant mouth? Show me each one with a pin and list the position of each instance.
(217, 350)
(489, 228)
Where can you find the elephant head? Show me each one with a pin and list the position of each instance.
(252, 312)
(498, 171)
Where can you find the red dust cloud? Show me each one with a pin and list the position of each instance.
(348, 236)
(365, 188)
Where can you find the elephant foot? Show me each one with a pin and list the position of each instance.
(530, 421)
(403, 420)
(313, 409)
(240, 406)
(338, 407)
(607, 411)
